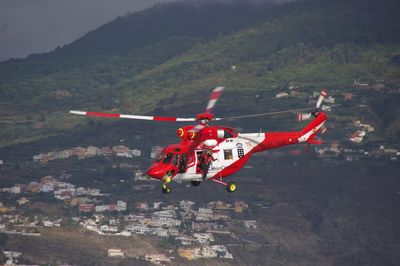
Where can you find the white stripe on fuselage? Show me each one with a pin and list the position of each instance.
(247, 141)
(306, 136)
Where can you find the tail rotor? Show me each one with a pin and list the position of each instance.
(305, 116)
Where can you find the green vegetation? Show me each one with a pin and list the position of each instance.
(120, 67)
(3, 239)
(3, 242)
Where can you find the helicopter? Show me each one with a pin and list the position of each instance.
(228, 149)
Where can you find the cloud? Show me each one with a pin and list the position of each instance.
(36, 26)
(32, 26)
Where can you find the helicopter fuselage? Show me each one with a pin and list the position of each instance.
(230, 150)
(215, 152)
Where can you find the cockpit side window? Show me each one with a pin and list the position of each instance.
(176, 160)
(227, 134)
(168, 158)
(182, 163)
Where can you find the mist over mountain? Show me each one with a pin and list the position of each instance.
(40, 26)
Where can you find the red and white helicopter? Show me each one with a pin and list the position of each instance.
(230, 149)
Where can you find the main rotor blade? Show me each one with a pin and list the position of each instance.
(271, 113)
(266, 114)
(137, 117)
(215, 94)
(323, 94)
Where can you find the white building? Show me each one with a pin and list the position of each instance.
(185, 240)
(109, 229)
(161, 232)
(250, 224)
(125, 233)
(281, 94)
(169, 222)
(101, 208)
(124, 154)
(38, 157)
(140, 229)
(157, 205)
(173, 231)
(121, 205)
(164, 214)
(205, 210)
(186, 204)
(114, 252)
(136, 153)
(47, 187)
(16, 190)
(92, 151)
(157, 259)
(203, 238)
(205, 252)
(222, 251)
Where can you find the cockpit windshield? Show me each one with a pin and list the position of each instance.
(168, 158)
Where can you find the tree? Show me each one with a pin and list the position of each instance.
(3, 240)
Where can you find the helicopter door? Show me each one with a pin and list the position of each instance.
(198, 161)
(181, 163)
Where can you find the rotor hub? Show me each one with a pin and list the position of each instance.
(205, 116)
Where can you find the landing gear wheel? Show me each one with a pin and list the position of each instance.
(195, 183)
(166, 180)
(166, 190)
(231, 187)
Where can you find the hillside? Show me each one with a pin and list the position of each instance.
(189, 47)
(331, 204)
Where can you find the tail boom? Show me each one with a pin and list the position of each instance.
(274, 140)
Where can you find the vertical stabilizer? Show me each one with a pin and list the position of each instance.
(311, 130)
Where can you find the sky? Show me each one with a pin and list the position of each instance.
(37, 26)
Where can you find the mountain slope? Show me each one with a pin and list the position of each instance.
(188, 49)
(191, 19)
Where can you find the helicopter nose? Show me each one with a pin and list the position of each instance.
(156, 172)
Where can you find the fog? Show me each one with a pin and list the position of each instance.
(36, 26)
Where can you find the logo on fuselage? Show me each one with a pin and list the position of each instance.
(217, 168)
(240, 150)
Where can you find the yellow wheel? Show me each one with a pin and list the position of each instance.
(167, 179)
(231, 187)
(166, 190)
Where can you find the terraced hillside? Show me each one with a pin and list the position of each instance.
(189, 47)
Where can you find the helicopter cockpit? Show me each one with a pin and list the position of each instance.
(171, 160)
(176, 159)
